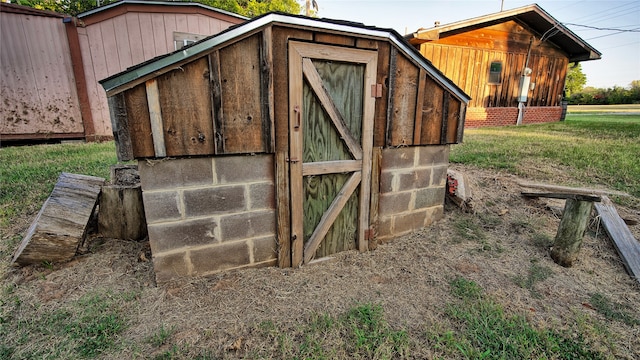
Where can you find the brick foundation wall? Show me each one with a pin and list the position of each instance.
(412, 189)
(501, 116)
(205, 215)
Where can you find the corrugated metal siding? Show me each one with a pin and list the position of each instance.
(36, 82)
(118, 43)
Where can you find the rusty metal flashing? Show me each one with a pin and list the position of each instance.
(118, 82)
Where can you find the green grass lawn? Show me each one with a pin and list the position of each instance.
(588, 149)
(28, 173)
(585, 150)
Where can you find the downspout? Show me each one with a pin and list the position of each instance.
(526, 65)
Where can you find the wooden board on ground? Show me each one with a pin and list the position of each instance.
(569, 190)
(625, 243)
(60, 226)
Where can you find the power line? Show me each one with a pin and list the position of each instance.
(615, 33)
(627, 44)
(599, 16)
(609, 29)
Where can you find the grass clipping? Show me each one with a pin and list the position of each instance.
(424, 296)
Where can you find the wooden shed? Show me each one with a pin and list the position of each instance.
(283, 140)
(513, 63)
(37, 85)
(49, 81)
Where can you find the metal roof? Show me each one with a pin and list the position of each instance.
(162, 3)
(118, 82)
(533, 17)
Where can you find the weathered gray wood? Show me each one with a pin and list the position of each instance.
(625, 243)
(60, 225)
(570, 190)
(120, 126)
(121, 214)
(580, 197)
(568, 240)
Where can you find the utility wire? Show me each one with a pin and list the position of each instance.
(610, 29)
(615, 33)
(599, 16)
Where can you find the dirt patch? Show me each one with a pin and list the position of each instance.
(496, 247)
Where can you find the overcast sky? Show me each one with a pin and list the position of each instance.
(620, 63)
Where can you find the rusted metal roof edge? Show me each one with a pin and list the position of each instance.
(116, 81)
(164, 3)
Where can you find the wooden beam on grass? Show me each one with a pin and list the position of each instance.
(623, 240)
(60, 227)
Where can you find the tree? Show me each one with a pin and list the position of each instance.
(249, 8)
(71, 7)
(576, 79)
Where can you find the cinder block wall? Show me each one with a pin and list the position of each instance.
(412, 189)
(206, 215)
(501, 116)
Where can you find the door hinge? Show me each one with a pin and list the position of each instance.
(376, 90)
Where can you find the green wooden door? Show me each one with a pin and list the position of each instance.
(331, 135)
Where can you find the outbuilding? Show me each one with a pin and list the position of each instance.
(512, 63)
(283, 140)
(49, 82)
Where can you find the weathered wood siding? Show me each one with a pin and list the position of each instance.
(37, 86)
(110, 44)
(234, 100)
(465, 58)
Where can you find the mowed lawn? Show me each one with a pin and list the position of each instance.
(598, 148)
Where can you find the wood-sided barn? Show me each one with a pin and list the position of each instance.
(487, 56)
(283, 140)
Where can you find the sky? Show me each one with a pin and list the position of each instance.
(620, 63)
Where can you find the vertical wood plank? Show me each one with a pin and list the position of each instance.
(453, 117)
(369, 109)
(445, 117)
(381, 116)
(120, 126)
(461, 119)
(139, 122)
(404, 102)
(295, 154)
(281, 38)
(417, 127)
(185, 102)
(266, 93)
(155, 117)
(216, 101)
(282, 205)
(431, 113)
(391, 89)
(242, 120)
(376, 161)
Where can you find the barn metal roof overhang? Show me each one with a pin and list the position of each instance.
(162, 64)
(531, 17)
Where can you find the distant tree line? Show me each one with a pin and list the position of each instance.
(577, 94)
(610, 96)
(249, 8)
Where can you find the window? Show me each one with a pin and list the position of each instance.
(181, 39)
(495, 72)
